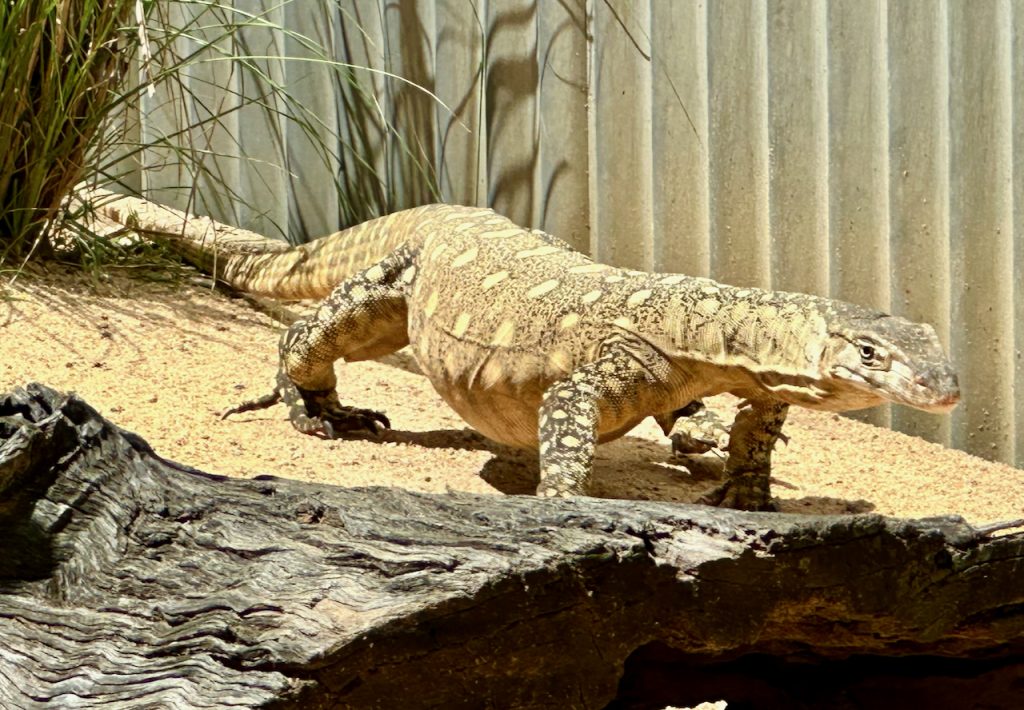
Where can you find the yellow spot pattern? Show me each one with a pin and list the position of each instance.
(465, 257)
(431, 304)
(560, 360)
(505, 334)
(569, 321)
(502, 233)
(461, 325)
(538, 251)
(542, 288)
(493, 280)
(639, 297)
(588, 268)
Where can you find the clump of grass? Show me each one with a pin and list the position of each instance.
(61, 65)
(213, 60)
(79, 70)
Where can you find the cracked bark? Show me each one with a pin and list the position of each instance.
(129, 578)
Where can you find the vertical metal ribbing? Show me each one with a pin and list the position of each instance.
(163, 114)
(262, 179)
(798, 136)
(410, 54)
(679, 118)
(859, 159)
(214, 88)
(511, 95)
(562, 194)
(459, 27)
(621, 138)
(919, 180)
(358, 39)
(1016, 392)
(313, 211)
(981, 222)
(738, 142)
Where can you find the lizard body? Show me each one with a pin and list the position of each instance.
(536, 345)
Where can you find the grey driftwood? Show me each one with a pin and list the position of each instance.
(130, 581)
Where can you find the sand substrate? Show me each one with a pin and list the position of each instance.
(163, 359)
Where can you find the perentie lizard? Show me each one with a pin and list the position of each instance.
(536, 345)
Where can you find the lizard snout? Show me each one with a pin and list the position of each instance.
(944, 385)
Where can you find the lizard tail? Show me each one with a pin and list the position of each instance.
(256, 264)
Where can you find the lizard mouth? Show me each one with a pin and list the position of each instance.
(942, 405)
(936, 391)
(930, 397)
(941, 390)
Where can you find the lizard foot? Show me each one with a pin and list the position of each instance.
(321, 414)
(743, 491)
(314, 412)
(694, 429)
(684, 443)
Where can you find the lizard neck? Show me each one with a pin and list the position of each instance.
(756, 342)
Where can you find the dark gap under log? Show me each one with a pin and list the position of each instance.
(129, 578)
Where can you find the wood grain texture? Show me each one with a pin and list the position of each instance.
(131, 579)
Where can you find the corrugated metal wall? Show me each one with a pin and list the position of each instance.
(860, 149)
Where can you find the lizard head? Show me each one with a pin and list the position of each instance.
(871, 358)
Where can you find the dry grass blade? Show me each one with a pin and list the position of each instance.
(82, 80)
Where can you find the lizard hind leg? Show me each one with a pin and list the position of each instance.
(317, 413)
(366, 316)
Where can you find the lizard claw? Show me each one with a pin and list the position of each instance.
(317, 413)
(322, 414)
(326, 428)
(355, 418)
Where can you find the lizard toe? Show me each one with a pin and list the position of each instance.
(346, 419)
(685, 444)
(320, 413)
(741, 492)
(326, 429)
(312, 426)
(263, 402)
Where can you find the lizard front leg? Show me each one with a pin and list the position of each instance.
(757, 427)
(567, 436)
(605, 395)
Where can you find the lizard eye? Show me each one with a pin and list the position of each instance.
(872, 356)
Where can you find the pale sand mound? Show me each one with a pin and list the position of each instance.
(164, 359)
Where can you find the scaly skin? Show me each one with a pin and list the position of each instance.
(535, 345)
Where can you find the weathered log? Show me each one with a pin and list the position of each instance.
(126, 577)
